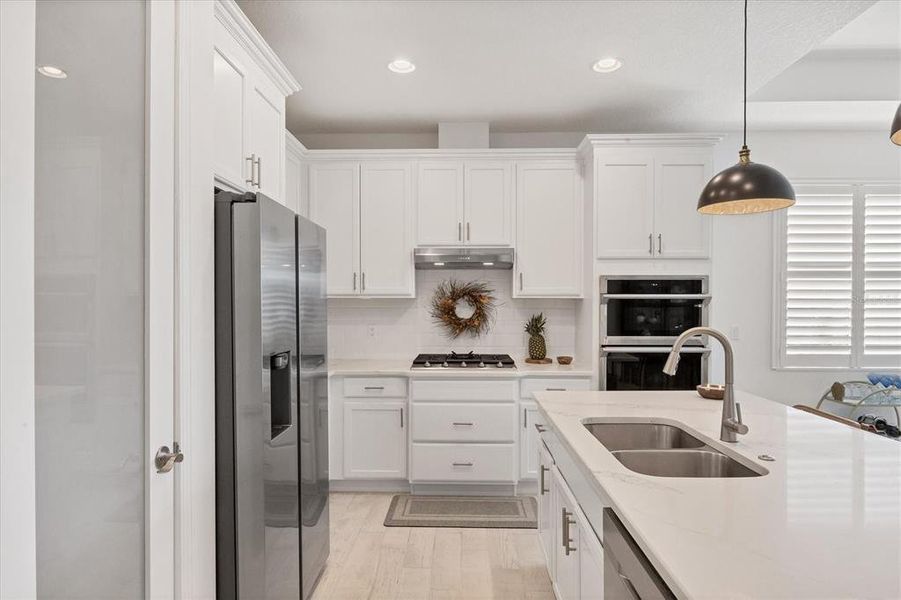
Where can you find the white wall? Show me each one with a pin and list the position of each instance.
(404, 328)
(360, 141)
(742, 265)
(17, 490)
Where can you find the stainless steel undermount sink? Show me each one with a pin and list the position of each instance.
(664, 450)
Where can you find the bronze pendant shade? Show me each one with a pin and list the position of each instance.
(746, 187)
(896, 127)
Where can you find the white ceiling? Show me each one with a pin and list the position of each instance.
(526, 66)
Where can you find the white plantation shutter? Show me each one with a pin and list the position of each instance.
(818, 278)
(839, 281)
(882, 278)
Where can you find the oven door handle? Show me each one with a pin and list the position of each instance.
(704, 298)
(652, 349)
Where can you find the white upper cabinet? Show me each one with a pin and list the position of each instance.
(386, 207)
(549, 233)
(680, 175)
(646, 202)
(488, 206)
(366, 209)
(250, 87)
(335, 204)
(440, 203)
(464, 203)
(625, 191)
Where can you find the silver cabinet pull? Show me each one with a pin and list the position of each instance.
(541, 471)
(165, 460)
(554, 389)
(459, 232)
(466, 464)
(363, 284)
(467, 231)
(401, 418)
(259, 171)
(525, 419)
(540, 428)
(251, 159)
(462, 424)
(650, 243)
(373, 387)
(520, 281)
(659, 243)
(567, 538)
(355, 281)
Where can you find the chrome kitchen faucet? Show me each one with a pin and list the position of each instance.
(731, 426)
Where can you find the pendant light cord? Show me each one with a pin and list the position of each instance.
(744, 133)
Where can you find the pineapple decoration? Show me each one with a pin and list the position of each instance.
(535, 328)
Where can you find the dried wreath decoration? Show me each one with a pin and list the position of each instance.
(480, 297)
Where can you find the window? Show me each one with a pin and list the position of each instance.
(838, 278)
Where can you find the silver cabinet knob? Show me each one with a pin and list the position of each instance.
(165, 459)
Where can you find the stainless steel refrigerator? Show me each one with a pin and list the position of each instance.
(272, 521)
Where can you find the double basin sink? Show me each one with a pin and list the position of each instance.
(664, 450)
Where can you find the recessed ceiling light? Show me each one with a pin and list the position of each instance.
(401, 65)
(51, 71)
(608, 64)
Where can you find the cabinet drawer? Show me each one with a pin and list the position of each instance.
(462, 462)
(464, 422)
(464, 391)
(375, 387)
(531, 385)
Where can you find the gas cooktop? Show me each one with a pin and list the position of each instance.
(469, 360)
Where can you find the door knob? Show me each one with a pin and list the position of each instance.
(165, 459)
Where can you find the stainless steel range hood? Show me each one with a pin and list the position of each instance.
(463, 258)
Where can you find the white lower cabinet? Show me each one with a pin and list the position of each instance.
(591, 564)
(375, 440)
(547, 532)
(476, 463)
(566, 550)
(528, 441)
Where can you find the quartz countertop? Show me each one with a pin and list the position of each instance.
(401, 368)
(825, 522)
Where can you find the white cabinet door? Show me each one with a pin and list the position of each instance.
(625, 211)
(439, 203)
(375, 440)
(591, 564)
(488, 206)
(681, 231)
(549, 230)
(335, 204)
(547, 522)
(529, 441)
(566, 562)
(228, 115)
(266, 132)
(386, 263)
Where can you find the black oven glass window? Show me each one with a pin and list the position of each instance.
(644, 371)
(667, 317)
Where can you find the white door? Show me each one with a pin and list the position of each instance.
(566, 562)
(681, 231)
(549, 226)
(529, 441)
(591, 563)
(439, 204)
(266, 132)
(335, 204)
(488, 206)
(229, 82)
(546, 520)
(106, 323)
(386, 254)
(625, 204)
(375, 440)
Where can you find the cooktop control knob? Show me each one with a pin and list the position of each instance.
(481, 365)
(463, 364)
(500, 365)
(427, 364)
(444, 364)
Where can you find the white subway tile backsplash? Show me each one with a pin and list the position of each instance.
(402, 328)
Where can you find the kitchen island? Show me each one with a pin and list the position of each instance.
(823, 522)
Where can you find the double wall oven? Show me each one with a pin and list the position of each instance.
(641, 317)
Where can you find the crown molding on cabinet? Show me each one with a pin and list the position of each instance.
(682, 140)
(240, 27)
(445, 153)
(295, 145)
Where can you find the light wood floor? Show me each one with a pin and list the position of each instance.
(369, 560)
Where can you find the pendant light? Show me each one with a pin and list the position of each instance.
(746, 187)
(896, 127)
